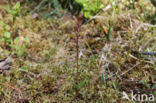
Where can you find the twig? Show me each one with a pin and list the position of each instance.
(148, 42)
(128, 70)
(144, 53)
(144, 24)
(130, 20)
(123, 72)
(148, 53)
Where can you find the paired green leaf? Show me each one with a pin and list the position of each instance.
(80, 85)
(115, 85)
(15, 11)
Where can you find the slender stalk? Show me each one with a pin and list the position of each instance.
(77, 49)
(77, 30)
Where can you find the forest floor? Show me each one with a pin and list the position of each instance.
(108, 65)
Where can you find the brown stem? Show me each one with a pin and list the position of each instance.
(77, 30)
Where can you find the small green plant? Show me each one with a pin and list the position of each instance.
(13, 44)
(25, 68)
(5, 36)
(90, 7)
(79, 86)
(20, 50)
(32, 102)
(15, 11)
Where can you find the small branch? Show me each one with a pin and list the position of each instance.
(144, 53)
(148, 42)
(128, 70)
(144, 24)
(148, 53)
(123, 72)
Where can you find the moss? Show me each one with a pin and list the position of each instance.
(48, 70)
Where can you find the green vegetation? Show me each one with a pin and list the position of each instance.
(15, 11)
(44, 63)
(90, 7)
(6, 37)
(7, 40)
